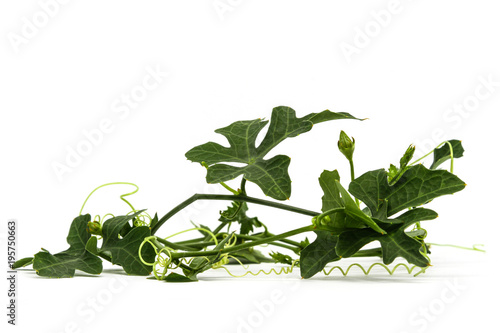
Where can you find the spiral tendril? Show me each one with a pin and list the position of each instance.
(289, 269)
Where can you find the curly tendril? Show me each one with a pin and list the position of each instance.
(143, 219)
(121, 196)
(164, 254)
(289, 269)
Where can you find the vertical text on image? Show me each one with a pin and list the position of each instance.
(12, 306)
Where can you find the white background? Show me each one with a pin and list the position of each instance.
(65, 68)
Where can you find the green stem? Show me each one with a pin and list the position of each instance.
(195, 197)
(243, 190)
(175, 246)
(243, 246)
(202, 242)
(328, 212)
(351, 164)
(229, 188)
(194, 240)
(248, 237)
(216, 231)
(287, 241)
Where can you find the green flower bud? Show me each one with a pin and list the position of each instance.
(403, 162)
(346, 145)
(94, 228)
(314, 221)
(326, 220)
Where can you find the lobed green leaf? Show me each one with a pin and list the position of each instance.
(319, 253)
(125, 251)
(417, 186)
(64, 264)
(270, 175)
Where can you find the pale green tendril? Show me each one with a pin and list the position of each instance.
(289, 269)
(160, 260)
(475, 247)
(121, 196)
(437, 147)
(97, 218)
(200, 229)
(164, 254)
(143, 219)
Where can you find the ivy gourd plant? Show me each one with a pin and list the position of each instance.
(381, 206)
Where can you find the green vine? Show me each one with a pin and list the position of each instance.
(378, 206)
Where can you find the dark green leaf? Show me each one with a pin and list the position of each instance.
(416, 215)
(350, 242)
(49, 265)
(281, 258)
(237, 212)
(304, 243)
(317, 254)
(270, 175)
(339, 221)
(417, 186)
(249, 256)
(125, 251)
(331, 199)
(91, 245)
(352, 210)
(396, 243)
(154, 221)
(418, 233)
(394, 173)
(443, 154)
(408, 155)
(22, 263)
(175, 278)
(64, 264)
(125, 230)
